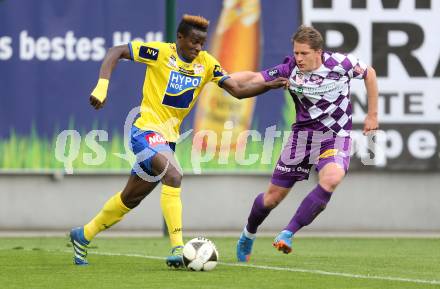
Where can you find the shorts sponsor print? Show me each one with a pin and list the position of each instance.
(145, 145)
(307, 148)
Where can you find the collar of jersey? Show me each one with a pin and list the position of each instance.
(182, 58)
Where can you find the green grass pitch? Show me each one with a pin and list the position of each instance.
(385, 263)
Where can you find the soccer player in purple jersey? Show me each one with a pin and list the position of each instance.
(319, 82)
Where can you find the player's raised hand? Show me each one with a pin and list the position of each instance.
(99, 94)
(371, 124)
(277, 82)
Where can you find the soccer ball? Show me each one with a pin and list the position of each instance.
(200, 254)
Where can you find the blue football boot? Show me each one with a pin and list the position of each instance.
(244, 248)
(283, 242)
(79, 244)
(176, 258)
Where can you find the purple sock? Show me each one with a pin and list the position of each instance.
(311, 206)
(257, 215)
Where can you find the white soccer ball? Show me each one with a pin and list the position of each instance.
(200, 254)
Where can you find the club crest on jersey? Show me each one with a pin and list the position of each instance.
(180, 89)
(148, 52)
(172, 62)
(155, 139)
(198, 68)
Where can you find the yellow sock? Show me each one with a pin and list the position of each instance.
(172, 211)
(111, 213)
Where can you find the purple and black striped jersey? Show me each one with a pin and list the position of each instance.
(322, 96)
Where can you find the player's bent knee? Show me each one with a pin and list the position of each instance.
(273, 198)
(271, 202)
(132, 199)
(331, 180)
(172, 178)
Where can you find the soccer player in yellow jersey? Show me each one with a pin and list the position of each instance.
(176, 73)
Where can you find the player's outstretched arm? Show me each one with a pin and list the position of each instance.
(99, 94)
(247, 84)
(371, 122)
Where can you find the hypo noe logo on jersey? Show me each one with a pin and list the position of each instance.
(180, 89)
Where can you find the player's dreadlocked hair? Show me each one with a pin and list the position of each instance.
(309, 35)
(189, 22)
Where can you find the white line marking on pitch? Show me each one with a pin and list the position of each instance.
(298, 270)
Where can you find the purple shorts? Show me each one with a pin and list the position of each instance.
(305, 149)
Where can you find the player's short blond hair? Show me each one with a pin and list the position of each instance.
(308, 35)
(196, 20)
(189, 22)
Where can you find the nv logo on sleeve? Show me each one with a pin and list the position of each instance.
(148, 52)
(180, 90)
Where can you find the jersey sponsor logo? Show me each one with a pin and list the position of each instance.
(186, 71)
(299, 89)
(273, 72)
(180, 89)
(155, 139)
(178, 82)
(319, 90)
(218, 71)
(148, 52)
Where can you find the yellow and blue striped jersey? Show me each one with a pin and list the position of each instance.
(171, 85)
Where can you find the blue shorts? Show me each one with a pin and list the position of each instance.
(145, 145)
